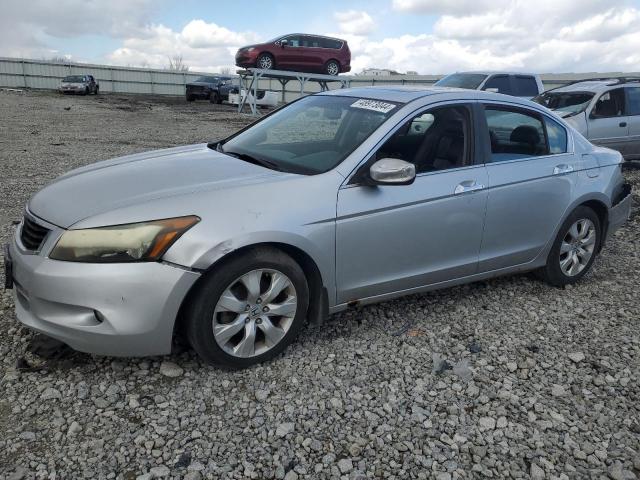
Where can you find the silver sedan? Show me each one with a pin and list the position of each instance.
(339, 199)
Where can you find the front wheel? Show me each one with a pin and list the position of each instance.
(249, 309)
(265, 61)
(332, 68)
(214, 97)
(574, 249)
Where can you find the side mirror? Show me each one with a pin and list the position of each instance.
(392, 171)
(492, 90)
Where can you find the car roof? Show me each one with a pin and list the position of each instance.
(409, 93)
(500, 72)
(589, 86)
(312, 35)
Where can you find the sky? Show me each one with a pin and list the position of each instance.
(427, 36)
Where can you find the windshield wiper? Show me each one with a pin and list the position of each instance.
(255, 160)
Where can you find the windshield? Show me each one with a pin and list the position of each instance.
(207, 79)
(570, 102)
(73, 79)
(462, 80)
(312, 135)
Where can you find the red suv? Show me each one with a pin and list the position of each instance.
(298, 52)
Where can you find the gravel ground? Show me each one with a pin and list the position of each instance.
(506, 378)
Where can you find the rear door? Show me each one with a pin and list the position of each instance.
(531, 179)
(633, 114)
(499, 83)
(607, 122)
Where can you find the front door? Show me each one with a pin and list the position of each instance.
(397, 238)
(608, 124)
(633, 112)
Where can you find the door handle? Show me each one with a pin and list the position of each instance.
(562, 169)
(623, 124)
(467, 186)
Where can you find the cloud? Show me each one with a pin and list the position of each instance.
(203, 46)
(541, 36)
(355, 22)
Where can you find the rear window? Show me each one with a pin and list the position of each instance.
(73, 79)
(526, 86)
(330, 43)
(462, 80)
(500, 83)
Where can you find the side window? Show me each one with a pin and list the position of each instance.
(557, 136)
(610, 104)
(293, 40)
(313, 42)
(514, 134)
(330, 43)
(500, 83)
(526, 86)
(633, 101)
(437, 139)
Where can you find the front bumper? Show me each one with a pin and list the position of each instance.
(125, 309)
(620, 210)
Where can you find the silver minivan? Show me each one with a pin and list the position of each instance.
(605, 111)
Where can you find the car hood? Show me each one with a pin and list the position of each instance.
(140, 178)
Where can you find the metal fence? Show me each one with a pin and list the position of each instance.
(42, 74)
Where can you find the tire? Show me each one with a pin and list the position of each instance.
(214, 97)
(95, 92)
(190, 98)
(86, 90)
(265, 61)
(243, 313)
(332, 68)
(566, 263)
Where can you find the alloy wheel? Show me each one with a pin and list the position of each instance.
(266, 62)
(332, 68)
(577, 247)
(254, 313)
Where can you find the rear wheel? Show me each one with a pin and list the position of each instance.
(190, 98)
(95, 92)
(332, 68)
(265, 61)
(86, 90)
(214, 97)
(249, 309)
(574, 249)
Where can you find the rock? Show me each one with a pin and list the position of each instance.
(291, 475)
(160, 472)
(345, 465)
(74, 428)
(170, 369)
(285, 429)
(558, 391)
(192, 476)
(262, 395)
(512, 366)
(576, 357)
(536, 472)
(50, 394)
(487, 423)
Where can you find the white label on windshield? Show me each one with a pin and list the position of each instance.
(375, 105)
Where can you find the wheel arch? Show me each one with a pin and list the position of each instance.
(602, 211)
(318, 293)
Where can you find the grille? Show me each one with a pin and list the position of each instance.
(32, 234)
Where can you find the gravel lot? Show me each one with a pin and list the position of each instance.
(506, 378)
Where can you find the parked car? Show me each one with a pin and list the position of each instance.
(333, 201)
(213, 88)
(264, 98)
(526, 85)
(298, 52)
(82, 84)
(604, 110)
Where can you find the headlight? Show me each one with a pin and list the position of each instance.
(135, 242)
(250, 49)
